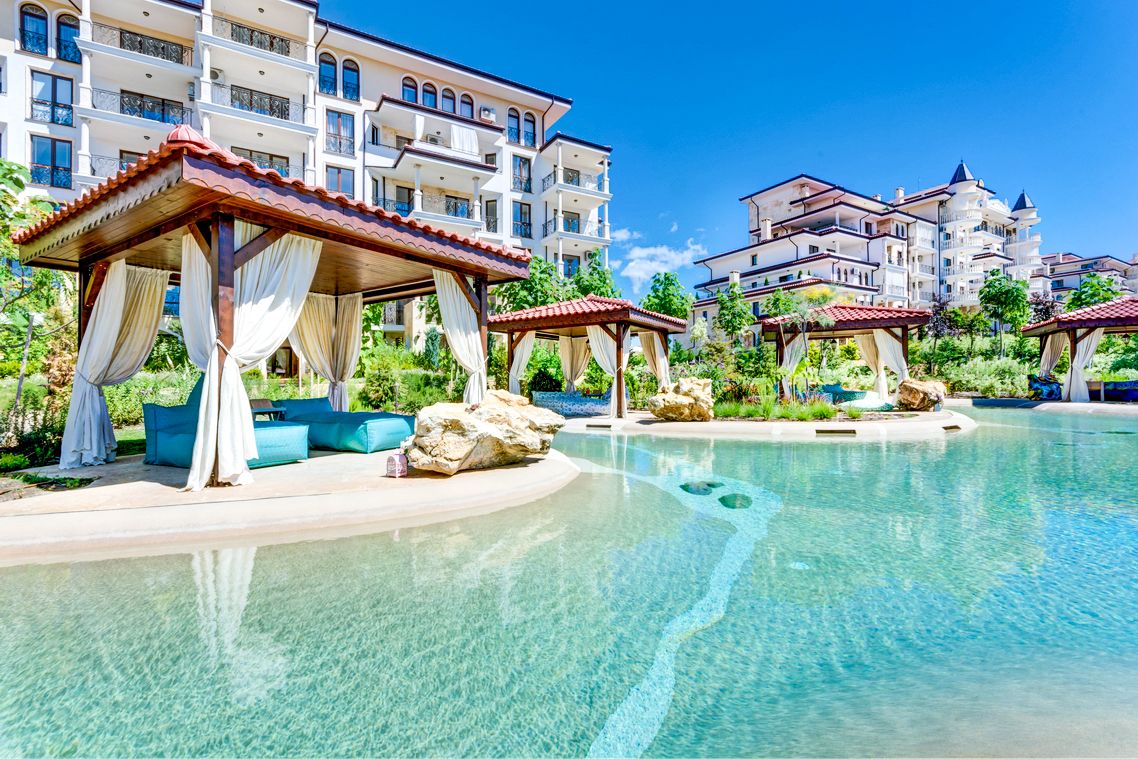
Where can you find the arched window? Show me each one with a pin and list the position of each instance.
(351, 75)
(466, 106)
(448, 100)
(529, 133)
(327, 74)
(513, 126)
(410, 90)
(33, 29)
(66, 31)
(430, 96)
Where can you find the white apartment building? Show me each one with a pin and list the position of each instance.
(1064, 272)
(807, 232)
(87, 86)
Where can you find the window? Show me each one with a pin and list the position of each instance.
(570, 265)
(404, 200)
(430, 96)
(52, 99)
(340, 180)
(278, 163)
(373, 134)
(522, 179)
(327, 74)
(466, 106)
(351, 74)
(513, 127)
(522, 224)
(754, 260)
(490, 215)
(448, 101)
(33, 29)
(490, 159)
(127, 157)
(66, 30)
(402, 142)
(340, 132)
(571, 221)
(51, 162)
(529, 133)
(704, 314)
(410, 90)
(813, 249)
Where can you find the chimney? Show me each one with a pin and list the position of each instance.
(877, 196)
(733, 277)
(766, 229)
(898, 193)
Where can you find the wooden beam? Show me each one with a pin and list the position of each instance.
(200, 235)
(467, 290)
(84, 312)
(222, 260)
(905, 344)
(621, 329)
(510, 345)
(608, 330)
(95, 284)
(123, 248)
(257, 245)
(483, 291)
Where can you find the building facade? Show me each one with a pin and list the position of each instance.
(85, 88)
(808, 232)
(1064, 272)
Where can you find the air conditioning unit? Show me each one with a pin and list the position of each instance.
(488, 114)
(217, 76)
(432, 139)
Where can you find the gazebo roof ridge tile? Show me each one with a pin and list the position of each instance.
(1124, 308)
(590, 304)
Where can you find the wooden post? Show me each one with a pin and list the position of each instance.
(905, 344)
(84, 310)
(221, 259)
(619, 386)
(509, 353)
(779, 351)
(482, 292)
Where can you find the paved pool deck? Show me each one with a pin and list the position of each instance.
(135, 509)
(1053, 407)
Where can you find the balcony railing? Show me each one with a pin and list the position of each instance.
(48, 112)
(924, 268)
(107, 166)
(351, 91)
(67, 50)
(970, 215)
(262, 103)
(520, 137)
(53, 176)
(393, 314)
(403, 208)
(287, 170)
(523, 229)
(926, 295)
(338, 143)
(895, 290)
(522, 184)
(491, 224)
(574, 178)
(572, 226)
(920, 241)
(141, 106)
(328, 85)
(143, 44)
(458, 208)
(260, 39)
(33, 42)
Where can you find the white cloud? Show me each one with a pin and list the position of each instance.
(645, 261)
(614, 263)
(674, 228)
(624, 234)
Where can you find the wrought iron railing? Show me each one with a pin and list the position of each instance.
(143, 44)
(262, 103)
(53, 176)
(260, 39)
(351, 91)
(401, 207)
(491, 224)
(572, 226)
(521, 137)
(522, 184)
(458, 208)
(925, 295)
(924, 268)
(142, 106)
(328, 85)
(283, 168)
(393, 314)
(574, 178)
(338, 143)
(106, 166)
(33, 42)
(523, 229)
(67, 50)
(48, 112)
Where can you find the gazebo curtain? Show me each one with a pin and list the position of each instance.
(1052, 350)
(575, 355)
(522, 353)
(328, 334)
(791, 356)
(222, 577)
(119, 337)
(1075, 388)
(460, 322)
(891, 353)
(268, 294)
(653, 346)
(604, 349)
(867, 345)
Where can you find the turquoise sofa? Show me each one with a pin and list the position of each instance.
(172, 430)
(358, 431)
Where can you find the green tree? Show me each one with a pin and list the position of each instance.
(667, 296)
(1004, 300)
(800, 309)
(698, 333)
(1043, 307)
(970, 323)
(542, 287)
(1092, 290)
(940, 324)
(594, 278)
(734, 315)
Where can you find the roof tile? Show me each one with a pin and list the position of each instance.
(590, 304)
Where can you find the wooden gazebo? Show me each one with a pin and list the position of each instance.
(847, 320)
(617, 318)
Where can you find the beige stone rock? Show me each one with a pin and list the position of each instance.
(686, 400)
(503, 429)
(915, 395)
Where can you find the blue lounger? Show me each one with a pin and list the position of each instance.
(358, 431)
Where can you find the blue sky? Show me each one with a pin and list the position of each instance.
(702, 108)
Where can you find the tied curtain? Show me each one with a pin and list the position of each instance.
(575, 355)
(792, 356)
(522, 353)
(328, 335)
(867, 345)
(604, 348)
(890, 353)
(268, 294)
(119, 337)
(1052, 350)
(460, 323)
(1075, 387)
(657, 358)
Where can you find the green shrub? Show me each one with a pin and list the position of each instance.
(543, 381)
(853, 412)
(10, 462)
(996, 378)
(418, 389)
(9, 368)
(737, 410)
(38, 434)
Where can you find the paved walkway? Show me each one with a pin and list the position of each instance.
(1096, 407)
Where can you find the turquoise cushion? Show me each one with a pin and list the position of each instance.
(834, 388)
(306, 406)
(360, 431)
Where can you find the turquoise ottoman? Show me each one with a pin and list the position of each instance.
(353, 431)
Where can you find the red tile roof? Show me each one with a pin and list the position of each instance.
(1120, 312)
(184, 140)
(840, 316)
(590, 305)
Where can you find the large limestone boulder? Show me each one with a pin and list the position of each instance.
(503, 429)
(686, 400)
(915, 395)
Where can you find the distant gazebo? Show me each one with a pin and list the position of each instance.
(593, 325)
(1081, 330)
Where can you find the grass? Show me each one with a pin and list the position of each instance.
(853, 412)
(771, 409)
(131, 440)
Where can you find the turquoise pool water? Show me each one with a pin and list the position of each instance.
(969, 596)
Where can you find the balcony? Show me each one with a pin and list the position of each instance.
(259, 39)
(443, 205)
(142, 44)
(108, 166)
(573, 226)
(521, 137)
(896, 290)
(287, 170)
(33, 42)
(258, 103)
(52, 176)
(963, 271)
(572, 178)
(921, 241)
(523, 229)
(49, 112)
(522, 184)
(925, 295)
(924, 269)
(969, 215)
(67, 50)
(141, 106)
(401, 207)
(340, 144)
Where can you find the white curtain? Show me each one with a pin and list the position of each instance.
(464, 139)
(522, 353)
(1075, 388)
(328, 335)
(575, 355)
(792, 356)
(604, 348)
(1052, 350)
(420, 124)
(268, 294)
(891, 355)
(460, 323)
(222, 577)
(120, 334)
(653, 346)
(867, 344)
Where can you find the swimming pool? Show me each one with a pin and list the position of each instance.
(969, 595)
